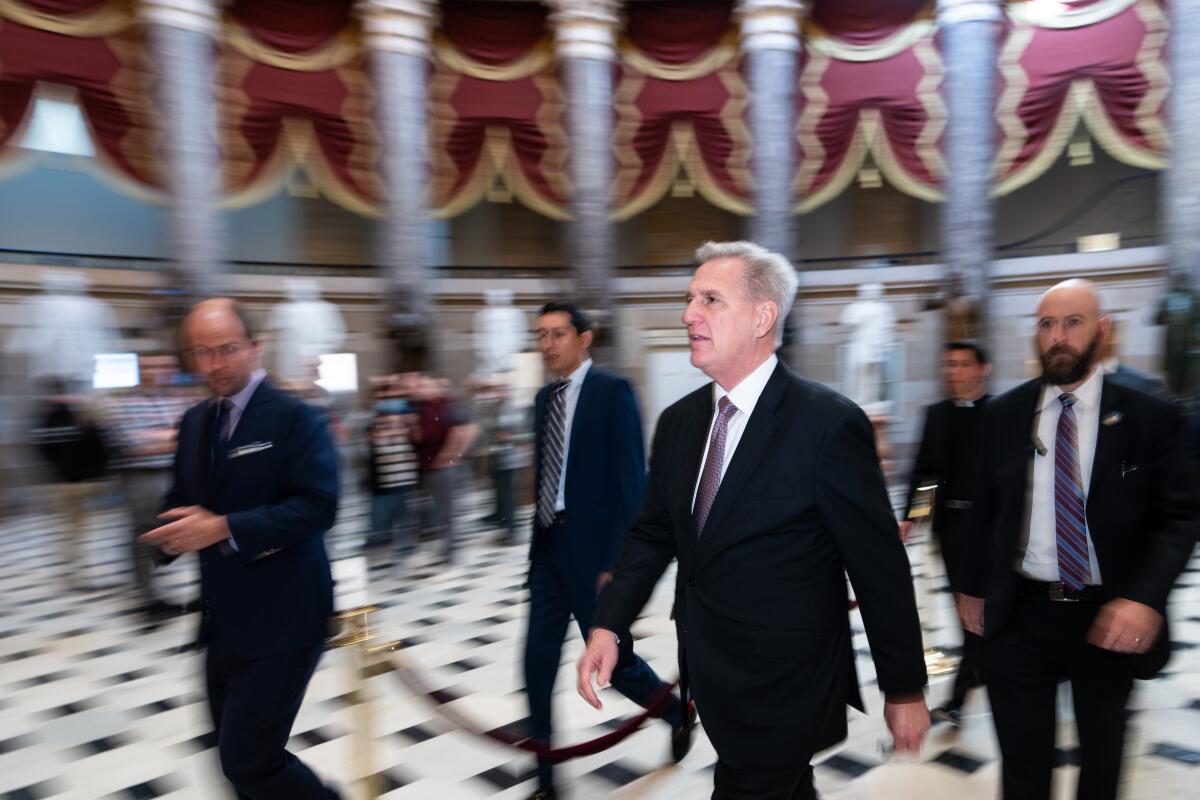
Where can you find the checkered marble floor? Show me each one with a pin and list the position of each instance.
(96, 702)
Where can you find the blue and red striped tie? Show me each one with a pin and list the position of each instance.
(1074, 566)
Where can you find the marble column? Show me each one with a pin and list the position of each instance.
(398, 38)
(770, 38)
(970, 31)
(585, 41)
(1181, 189)
(180, 35)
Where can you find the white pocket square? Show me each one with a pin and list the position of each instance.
(250, 449)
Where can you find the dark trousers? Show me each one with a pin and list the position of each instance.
(763, 784)
(144, 490)
(504, 500)
(1043, 643)
(555, 595)
(951, 529)
(389, 513)
(254, 703)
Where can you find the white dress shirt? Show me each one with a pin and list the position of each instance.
(242, 398)
(744, 397)
(574, 387)
(1040, 560)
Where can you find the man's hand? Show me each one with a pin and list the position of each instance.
(188, 529)
(599, 659)
(970, 611)
(906, 526)
(1125, 626)
(602, 580)
(908, 723)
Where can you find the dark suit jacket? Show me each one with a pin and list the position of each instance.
(1142, 508)
(761, 597)
(945, 458)
(275, 592)
(606, 471)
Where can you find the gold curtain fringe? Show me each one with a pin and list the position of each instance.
(720, 56)
(338, 51)
(112, 17)
(818, 39)
(538, 59)
(1053, 15)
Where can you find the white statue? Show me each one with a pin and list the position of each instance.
(63, 329)
(874, 332)
(304, 328)
(500, 332)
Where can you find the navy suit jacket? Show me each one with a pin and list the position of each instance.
(276, 483)
(606, 472)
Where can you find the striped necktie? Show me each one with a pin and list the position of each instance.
(1074, 566)
(710, 479)
(553, 438)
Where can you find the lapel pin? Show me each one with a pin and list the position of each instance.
(1112, 419)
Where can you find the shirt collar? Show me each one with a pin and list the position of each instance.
(580, 372)
(745, 395)
(243, 397)
(1086, 396)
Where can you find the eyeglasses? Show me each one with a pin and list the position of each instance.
(224, 351)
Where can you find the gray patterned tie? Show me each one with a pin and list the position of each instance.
(553, 437)
(710, 480)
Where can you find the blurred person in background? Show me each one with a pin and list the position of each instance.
(946, 459)
(443, 438)
(591, 475)
(254, 491)
(391, 474)
(1109, 356)
(500, 426)
(141, 427)
(69, 438)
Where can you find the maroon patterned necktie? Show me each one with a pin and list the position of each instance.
(710, 480)
(1070, 516)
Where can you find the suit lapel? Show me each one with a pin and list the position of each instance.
(1107, 435)
(583, 407)
(756, 437)
(696, 427)
(202, 446)
(244, 432)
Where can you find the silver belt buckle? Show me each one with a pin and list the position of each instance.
(1058, 593)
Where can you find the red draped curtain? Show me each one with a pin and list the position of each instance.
(294, 92)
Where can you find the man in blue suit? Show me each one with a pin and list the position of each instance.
(254, 490)
(591, 475)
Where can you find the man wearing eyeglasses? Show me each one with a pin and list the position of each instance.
(254, 490)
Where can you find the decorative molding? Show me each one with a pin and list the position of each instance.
(770, 24)
(586, 28)
(952, 12)
(201, 16)
(399, 26)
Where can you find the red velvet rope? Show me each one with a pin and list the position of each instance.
(541, 749)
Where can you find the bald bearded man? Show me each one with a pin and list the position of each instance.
(1085, 513)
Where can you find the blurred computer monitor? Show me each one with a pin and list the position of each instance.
(115, 371)
(338, 372)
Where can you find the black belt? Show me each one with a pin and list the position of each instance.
(957, 505)
(1059, 592)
